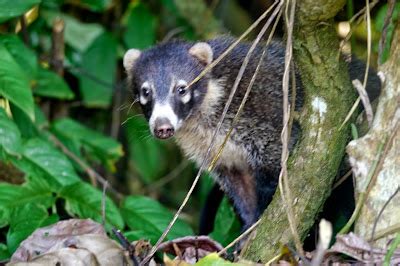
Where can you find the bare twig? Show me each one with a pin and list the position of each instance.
(283, 179)
(92, 174)
(342, 179)
(126, 245)
(169, 177)
(365, 101)
(357, 102)
(387, 231)
(205, 160)
(24, 31)
(381, 212)
(103, 204)
(243, 235)
(386, 23)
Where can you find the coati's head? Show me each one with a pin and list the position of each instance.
(160, 77)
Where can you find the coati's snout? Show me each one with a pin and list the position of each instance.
(163, 129)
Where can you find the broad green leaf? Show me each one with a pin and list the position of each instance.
(226, 225)
(99, 62)
(147, 153)
(140, 28)
(78, 35)
(105, 148)
(13, 196)
(42, 160)
(85, 201)
(4, 253)
(14, 8)
(214, 260)
(24, 220)
(14, 83)
(10, 137)
(26, 126)
(25, 57)
(49, 84)
(147, 215)
(93, 5)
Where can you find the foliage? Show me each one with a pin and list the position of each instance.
(34, 135)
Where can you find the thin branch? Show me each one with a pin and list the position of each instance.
(386, 23)
(283, 179)
(243, 235)
(381, 212)
(92, 174)
(365, 101)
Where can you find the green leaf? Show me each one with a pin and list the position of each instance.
(147, 215)
(105, 148)
(94, 5)
(85, 201)
(4, 253)
(14, 84)
(10, 137)
(214, 260)
(26, 126)
(49, 84)
(24, 220)
(146, 153)
(42, 160)
(226, 225)
(13, 196)
(10, 9)
(25, 57)
(140, 28)
(99, 62)
(77, 34)
(141, 234)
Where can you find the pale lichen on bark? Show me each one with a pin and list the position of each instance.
(363, 153)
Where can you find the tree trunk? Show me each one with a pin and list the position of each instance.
(314, 163)
(375, 158)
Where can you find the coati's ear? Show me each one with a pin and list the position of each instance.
(129, 58)
(203, 52)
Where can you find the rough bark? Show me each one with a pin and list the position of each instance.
(328, 98)
(375, 158)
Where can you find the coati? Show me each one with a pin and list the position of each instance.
(249, 166)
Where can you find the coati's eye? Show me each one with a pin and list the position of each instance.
(145, 92)
(181, 90)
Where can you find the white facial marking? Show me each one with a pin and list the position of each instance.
(163, 110)
(143, 100)
(186, 98)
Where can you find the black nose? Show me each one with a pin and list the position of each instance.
(163, 128)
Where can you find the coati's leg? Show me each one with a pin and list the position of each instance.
(250, 192)
(210, 208)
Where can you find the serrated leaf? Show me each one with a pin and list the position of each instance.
(10, 137)
(147, 215)
(14, 84)
(99, 146)
(24, 220)
(42, 160)
(78, 35)
(99, 61)
(25, 57)
(13, 196)
(49, 84)
(85, 201)
(10, 9)
(140, 28)
(93, 5)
